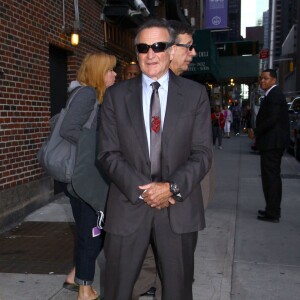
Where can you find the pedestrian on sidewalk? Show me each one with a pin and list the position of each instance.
(218, 123)
(236, 116)
(228, 121)
(94, 75)
(155, 192)
(272, 137)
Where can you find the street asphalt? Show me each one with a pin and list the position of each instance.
(238, 257)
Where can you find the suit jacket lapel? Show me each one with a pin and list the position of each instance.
(134, 105)
(174, 108)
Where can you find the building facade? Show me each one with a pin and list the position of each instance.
(286, 44)
(284, 19)
(234, 23)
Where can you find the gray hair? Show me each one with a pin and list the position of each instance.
(160, 23)
(180, 28)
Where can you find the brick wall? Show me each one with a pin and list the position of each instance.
(27, 28)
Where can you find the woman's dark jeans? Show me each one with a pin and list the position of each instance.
(87, 247)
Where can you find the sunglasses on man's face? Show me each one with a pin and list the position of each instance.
(188, 46)
(156, 47)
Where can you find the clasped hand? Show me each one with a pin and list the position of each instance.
(157, 194)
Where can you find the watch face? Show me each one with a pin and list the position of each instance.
(174, 188)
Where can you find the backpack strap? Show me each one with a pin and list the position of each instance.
(72, 96)
(74, 92)
(89, 122)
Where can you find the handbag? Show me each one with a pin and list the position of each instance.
(57, 155)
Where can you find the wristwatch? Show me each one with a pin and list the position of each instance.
(174, 189)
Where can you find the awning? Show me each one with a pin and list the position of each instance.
(244, 69)
(209, 66)
(204, 66)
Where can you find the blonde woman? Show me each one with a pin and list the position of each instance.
(94, 75)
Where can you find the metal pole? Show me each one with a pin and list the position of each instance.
(64, 16)
(76, 23)
(272, 30)
(76, 10)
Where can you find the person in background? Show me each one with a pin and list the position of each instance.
(272, 137)
(248, 117)
(228, 121)
(236, 116)
(131, 70)
(94, 75)
(218, 123)
(183, 56)
(155, 193)
(185, 49)
(148, 282)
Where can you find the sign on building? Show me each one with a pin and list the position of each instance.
(216, 14)
(264, 53)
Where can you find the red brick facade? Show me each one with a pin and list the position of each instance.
(27, 29)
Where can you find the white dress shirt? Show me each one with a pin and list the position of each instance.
(147, 92)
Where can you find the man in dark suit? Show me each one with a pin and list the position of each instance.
(272, 137)
(148, 281)
(162, 206)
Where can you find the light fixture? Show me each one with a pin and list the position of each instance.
(73, 32)
(74, 38)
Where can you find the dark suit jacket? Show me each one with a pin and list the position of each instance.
(272, 122)
(186, 153)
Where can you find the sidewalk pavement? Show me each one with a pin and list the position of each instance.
(237, 256)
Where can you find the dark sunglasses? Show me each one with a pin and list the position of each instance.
(188, 46)
(156, 47)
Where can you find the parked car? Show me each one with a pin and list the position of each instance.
(294, 116)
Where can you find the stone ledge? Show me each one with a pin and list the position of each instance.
(17, 202)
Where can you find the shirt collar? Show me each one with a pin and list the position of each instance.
(163, 81)
(267, 92)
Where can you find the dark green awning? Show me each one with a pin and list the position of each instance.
(209, 66)
(205, 64)
(244, 69)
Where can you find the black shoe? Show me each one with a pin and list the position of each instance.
(150, 292)
(262, 212)
(268, 219)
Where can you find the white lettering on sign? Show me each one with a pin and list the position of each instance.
(203, 54)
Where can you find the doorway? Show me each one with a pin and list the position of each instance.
(58, 65)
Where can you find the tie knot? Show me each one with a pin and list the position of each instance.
(155, 85)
